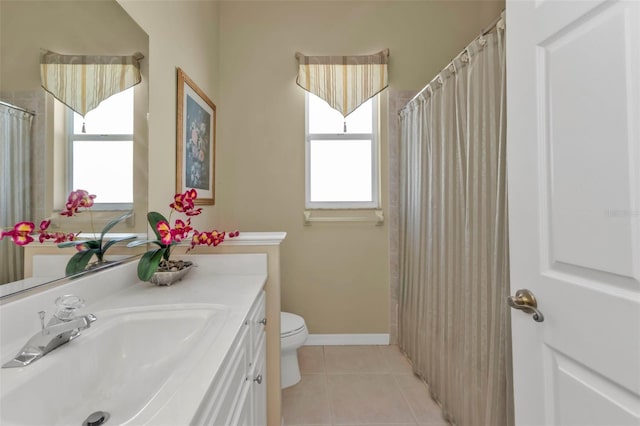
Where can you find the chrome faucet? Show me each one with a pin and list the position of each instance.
(63, 327)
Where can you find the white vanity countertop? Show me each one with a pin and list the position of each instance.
(27, 283)
(231, 280)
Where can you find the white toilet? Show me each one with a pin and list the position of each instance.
(293, 334)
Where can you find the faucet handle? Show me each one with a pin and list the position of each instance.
(41, 314)
(66, 307)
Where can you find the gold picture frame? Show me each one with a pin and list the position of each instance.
(196, 141)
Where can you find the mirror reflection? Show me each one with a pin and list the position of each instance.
(55, 155)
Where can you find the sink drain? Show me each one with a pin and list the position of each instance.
(96, 419)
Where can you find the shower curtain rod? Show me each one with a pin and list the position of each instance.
(493, 24)
(484, 32)
(17, 107)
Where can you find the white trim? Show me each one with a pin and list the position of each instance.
(347, 339)
(256, 239)
(376, 216)
(249, 239)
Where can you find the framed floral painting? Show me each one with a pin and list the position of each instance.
(196, 142)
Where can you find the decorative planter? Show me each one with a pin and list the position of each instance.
(177, 270)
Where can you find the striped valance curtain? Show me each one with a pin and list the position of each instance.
(344, 82)
(83, 81)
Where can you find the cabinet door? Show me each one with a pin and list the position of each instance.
(259, 388)
(242, 415)
(240, 399)
(220, 405)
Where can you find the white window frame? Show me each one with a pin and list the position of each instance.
(375, 163)
(88, 138)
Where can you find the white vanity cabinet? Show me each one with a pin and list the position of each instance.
(238, 396)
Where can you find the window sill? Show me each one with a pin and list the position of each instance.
(336, 216)
(93, 221)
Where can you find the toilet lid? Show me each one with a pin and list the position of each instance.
(290, 324)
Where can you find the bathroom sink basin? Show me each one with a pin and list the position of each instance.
(128, 364)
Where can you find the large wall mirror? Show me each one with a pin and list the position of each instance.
(78, 27)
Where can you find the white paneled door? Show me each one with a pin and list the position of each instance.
(573, 138)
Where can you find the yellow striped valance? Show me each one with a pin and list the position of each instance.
(83, 81)
(344, 82)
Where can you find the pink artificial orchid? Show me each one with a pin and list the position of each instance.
(23, 233)
(196, 239)
(61, 237)
(168, 237)
(57, 237)
(194, 212)
(184, 203)
(181, 230)
(77, 199)
(212, 238)
(165, 232)
(181, 202)
(20, 234)
(44, 235)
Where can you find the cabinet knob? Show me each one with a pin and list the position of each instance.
(258, 379)
(263, 321)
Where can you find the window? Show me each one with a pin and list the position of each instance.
(101, 160)
(341, 156)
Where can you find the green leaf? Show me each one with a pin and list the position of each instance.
(141, 243)
(78, 262)
(168, 252)
(91, 244)
(154, 218)
(71, 243)
(116, 240)
(115, 221)
(149, 262)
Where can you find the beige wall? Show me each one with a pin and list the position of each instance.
(98, 27)
(182, 34)
(241, 54)
(335, 275)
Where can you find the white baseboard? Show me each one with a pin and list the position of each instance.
(347, 339)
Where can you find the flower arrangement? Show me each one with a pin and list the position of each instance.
(88, 248)
(158, 259)
(22, 233)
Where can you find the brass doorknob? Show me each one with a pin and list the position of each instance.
(525, 301)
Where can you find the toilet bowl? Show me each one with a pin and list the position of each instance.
(293, 334)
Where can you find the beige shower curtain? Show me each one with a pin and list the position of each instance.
(15, 185)
(454, 258)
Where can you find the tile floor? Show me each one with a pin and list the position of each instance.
(358, 385)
